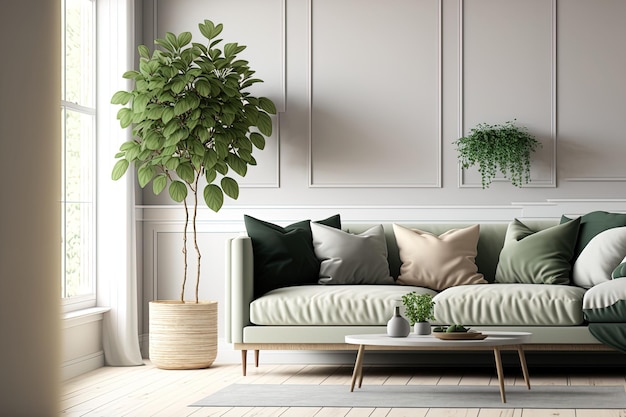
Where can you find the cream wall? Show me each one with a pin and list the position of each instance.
(372, 94)
(30, 214)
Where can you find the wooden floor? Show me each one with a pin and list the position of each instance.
(147, 391)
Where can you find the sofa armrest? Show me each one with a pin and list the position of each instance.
(606, 302)
(239, 286)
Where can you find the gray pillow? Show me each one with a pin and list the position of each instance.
(351, 259)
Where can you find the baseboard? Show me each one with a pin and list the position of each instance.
(79, 366)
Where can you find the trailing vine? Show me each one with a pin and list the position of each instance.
(506, 148)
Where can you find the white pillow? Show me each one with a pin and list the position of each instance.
(600, 257)
(351, 259)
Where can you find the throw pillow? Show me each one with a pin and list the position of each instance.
(620, 270)
(351, 259)
(537, 257)
(438, 262)
(593, 223)
(283, 256)
(600, 257)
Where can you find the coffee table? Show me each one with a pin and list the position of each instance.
(494, 341)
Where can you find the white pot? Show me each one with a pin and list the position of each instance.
(422, 327)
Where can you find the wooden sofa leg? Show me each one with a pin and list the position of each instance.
(256, 358)
(244, 360)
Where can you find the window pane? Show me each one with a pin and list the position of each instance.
(79, 204)
(79, 59)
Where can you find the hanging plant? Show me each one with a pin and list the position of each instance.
(506, 148)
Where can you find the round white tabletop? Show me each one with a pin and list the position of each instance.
(417, 341)
(494, 340)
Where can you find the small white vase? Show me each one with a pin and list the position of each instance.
(398, 326)
(422, 327)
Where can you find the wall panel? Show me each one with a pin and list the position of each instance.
(375, 91)
(507, 69)
(592, 90)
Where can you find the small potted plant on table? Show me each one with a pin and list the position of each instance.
(419, 310)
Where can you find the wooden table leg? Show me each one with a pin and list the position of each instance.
(496, 353)
(358, 368)
(522, 361)
(244, 361)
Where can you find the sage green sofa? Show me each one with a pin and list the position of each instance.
(318, 317)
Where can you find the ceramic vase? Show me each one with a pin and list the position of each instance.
(398, 326)
(422, 327)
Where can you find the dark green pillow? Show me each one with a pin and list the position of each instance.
(593, 223)
(537, 257)
(284, 256)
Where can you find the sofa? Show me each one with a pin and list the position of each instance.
(308, 285)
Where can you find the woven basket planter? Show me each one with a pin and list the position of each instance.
(183, 335)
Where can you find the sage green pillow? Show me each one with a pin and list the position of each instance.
(593, 223)
(537, 257)
(620, 270)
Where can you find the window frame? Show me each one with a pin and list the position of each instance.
(87, 299)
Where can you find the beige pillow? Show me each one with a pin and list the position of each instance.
(438, 262)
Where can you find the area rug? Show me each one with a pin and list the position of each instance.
(416, 396)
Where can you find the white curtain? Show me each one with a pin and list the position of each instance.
(116, 231)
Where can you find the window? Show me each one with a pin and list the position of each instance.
(78, 113)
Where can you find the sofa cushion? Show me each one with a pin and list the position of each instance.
(283, 256)
(351, 259)
(606, 302)
(438, 262)
(593, 223)
(330, 305)
(510, 305)
(537, 257)
(600, 257)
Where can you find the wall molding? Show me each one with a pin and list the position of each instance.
(552, 182)
(82, 365)
(230, 218)
(438, 181)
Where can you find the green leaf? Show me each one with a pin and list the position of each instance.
(186, 172)
(119, 169)
(230, 187)
(178, 84)
(206, 29)
(140, 102)
(153, 141)
(168, 114)
(184, 39)
(213, 197)
(143, 51)
(125, 116)
(257, 140)
(210, 158)
(178, 191)
(145, 175)
(121, 97)
(210, 176)
(203, 87)
(172, 163)
(131, 75)
(264, 123)
(267, 105)
(171, 38)
(237, 164)
(159, 183)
